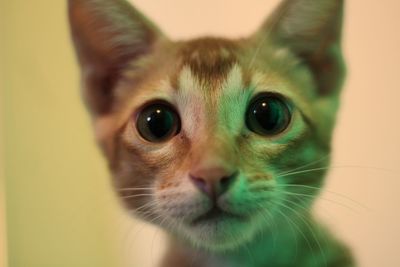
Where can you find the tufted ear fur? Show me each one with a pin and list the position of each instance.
(108, 34)
(311, 29)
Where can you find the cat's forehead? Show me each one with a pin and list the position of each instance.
(221, 67)
(209, 60)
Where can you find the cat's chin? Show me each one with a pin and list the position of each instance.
(219, 233)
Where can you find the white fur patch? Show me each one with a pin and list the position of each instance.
(190, 102)
(233, 100)
(234, 81)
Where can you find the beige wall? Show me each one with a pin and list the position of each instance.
(60, 210)
(3, 250)
(58, 200)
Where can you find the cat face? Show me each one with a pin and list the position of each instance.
(209, 138)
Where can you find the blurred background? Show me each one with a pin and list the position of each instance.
(56, 206)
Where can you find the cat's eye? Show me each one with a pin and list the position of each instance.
(268, 115)
(158, 122)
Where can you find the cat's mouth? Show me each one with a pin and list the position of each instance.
(216, 214)
(217, 229)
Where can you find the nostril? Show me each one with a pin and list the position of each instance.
(226, 181)
(200, 183)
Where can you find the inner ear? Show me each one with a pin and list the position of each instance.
(108, 34)
(312, 31)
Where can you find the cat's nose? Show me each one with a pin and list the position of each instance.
(213, 181)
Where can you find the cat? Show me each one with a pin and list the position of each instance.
(222, 143)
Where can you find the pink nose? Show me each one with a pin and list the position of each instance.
(213, 181)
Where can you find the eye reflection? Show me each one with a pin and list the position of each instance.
(268, 115)
(158, 122)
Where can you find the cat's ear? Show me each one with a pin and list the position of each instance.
(108, 34)
(311, 29)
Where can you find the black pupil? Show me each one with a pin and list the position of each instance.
(268, 115)
(157, 122)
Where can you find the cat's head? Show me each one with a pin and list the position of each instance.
(212, 138)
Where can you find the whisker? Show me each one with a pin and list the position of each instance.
(125, 239)
(325, 190)
(248, 251)
(309, 228)
(326, 199)
(303, 171)
(138, 195)
(150, 205)
(271, 223)
(133, 235)
(306, 210)
(365, 167)
(134, 188)
(339, 167)
(291, 223)
(278, 189)
(306, 165)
